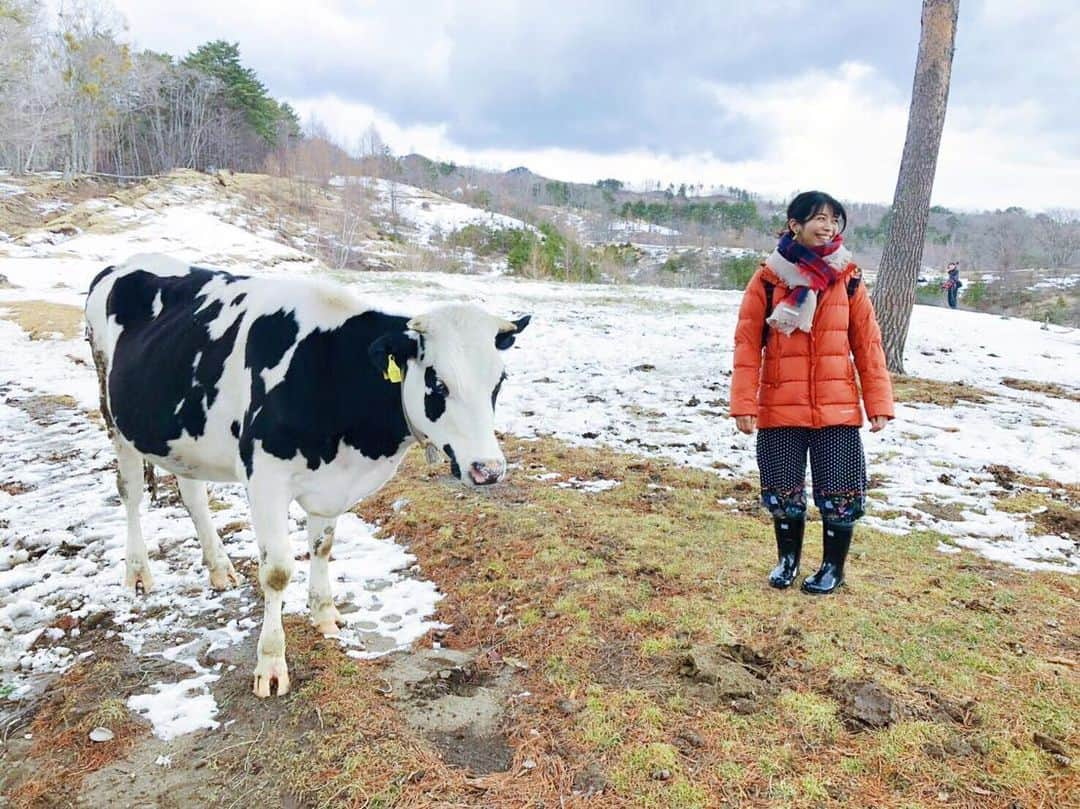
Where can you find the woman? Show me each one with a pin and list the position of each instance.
(952, 284)
(804, 315)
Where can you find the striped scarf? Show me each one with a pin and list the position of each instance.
(806, 271)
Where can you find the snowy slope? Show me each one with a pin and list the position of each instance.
(424, 214)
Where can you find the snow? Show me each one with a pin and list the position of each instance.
(640, 226)
(177, 708)
(426, 213)
(1064, 282)
(641, 369)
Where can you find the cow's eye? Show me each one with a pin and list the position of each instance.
(434, 384)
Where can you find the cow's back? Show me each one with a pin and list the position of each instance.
(164, 332)
(199, 365)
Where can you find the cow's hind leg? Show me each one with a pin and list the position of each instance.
(324, 614)
(129, 482)
(222, 574)
(269, 517)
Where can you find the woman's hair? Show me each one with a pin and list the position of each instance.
(809, 204)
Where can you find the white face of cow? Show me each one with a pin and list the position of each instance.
(450, 387)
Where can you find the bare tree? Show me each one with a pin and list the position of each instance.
(894, 296)
(25, 89)
(1001, 243)
(1058, 233)
(92, 67)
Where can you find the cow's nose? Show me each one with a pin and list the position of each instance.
(484, 473)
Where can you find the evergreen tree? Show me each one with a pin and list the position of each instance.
(901, 259)
(242, 88)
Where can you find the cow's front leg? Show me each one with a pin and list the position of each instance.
(269, 516)
(129, 482)
(222, 574)
(324, 615)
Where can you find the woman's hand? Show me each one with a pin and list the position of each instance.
(878, 423)
(746, 424)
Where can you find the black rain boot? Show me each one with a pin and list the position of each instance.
(789, 536)
(836, 540)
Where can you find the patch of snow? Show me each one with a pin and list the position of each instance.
(589, 485)
(1063, 282)
(51, 206)
(640, 226)
(178, 708)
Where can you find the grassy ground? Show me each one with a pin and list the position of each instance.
(646, 663)
(625, 604)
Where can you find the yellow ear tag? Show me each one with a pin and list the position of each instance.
(393, 372)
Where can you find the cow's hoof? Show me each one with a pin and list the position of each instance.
(328, 629)
(268, 672)
(139, 580)
(327, 621)
(224, 577)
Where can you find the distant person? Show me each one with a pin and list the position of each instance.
(803, 316)
(952, 283)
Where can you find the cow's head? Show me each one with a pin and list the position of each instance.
(451, 372)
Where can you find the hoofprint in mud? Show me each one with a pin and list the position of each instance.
(637, 368)
(293, 387)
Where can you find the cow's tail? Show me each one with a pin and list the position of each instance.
(95, 311)
(101, 365)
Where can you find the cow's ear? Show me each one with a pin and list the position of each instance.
(398, 346)
(505, 337)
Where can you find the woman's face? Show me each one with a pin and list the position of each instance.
(818, 230)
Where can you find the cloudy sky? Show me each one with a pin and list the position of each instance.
(773, 96)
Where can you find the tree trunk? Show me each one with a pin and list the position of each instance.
(894, 295)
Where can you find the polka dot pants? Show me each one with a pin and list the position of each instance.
(837, 465)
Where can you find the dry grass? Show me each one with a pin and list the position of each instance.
(916, 390)
(92, 695)
(43, 320)
(1049, 388)
(21, 212)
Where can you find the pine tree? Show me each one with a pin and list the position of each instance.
(894, 296)
(242, 88)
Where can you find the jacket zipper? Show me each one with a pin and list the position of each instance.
(813, 376)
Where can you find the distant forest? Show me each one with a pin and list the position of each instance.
(75, 98)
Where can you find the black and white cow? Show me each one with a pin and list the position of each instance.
(295, 388)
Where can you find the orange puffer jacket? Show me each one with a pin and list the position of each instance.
(808, 380)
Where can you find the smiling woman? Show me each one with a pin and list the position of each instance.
(803, 317)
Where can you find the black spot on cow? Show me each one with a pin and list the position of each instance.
(239, 299)
(495, 391)
(455, 470)
(434, 396)
(269, 337)
(330, 394)
(158, 389)
(97, 278)
(234, 428)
